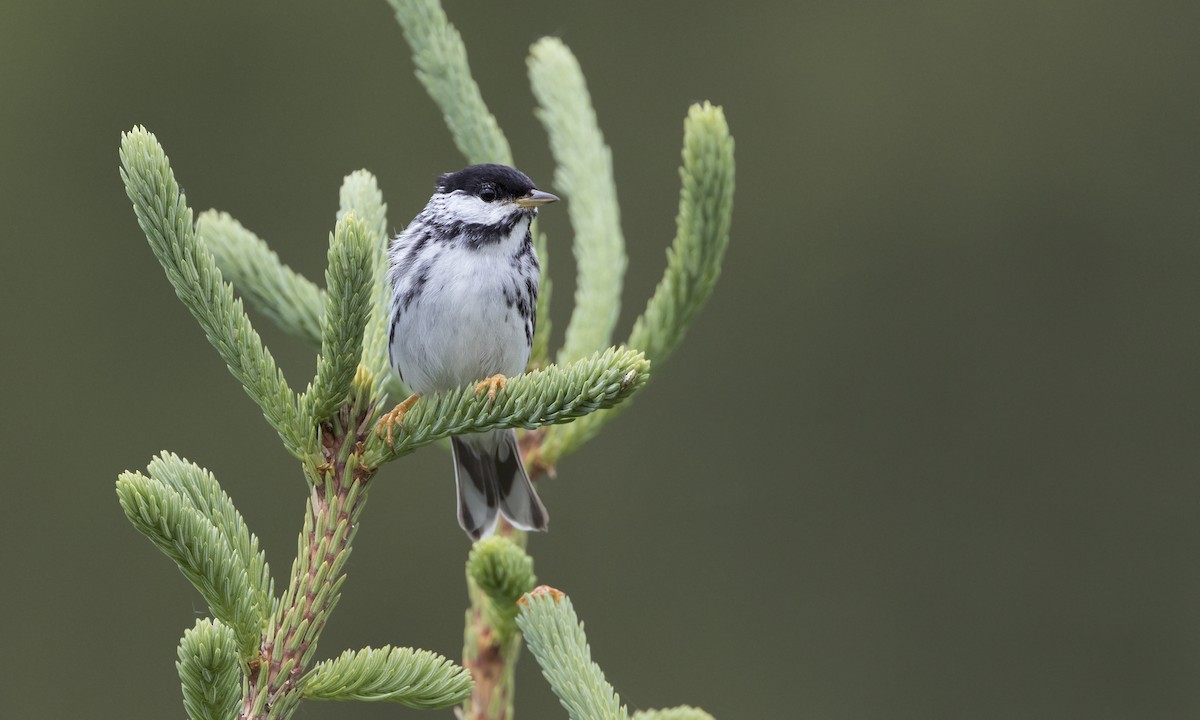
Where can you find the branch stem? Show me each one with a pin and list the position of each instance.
(337, 497)
(489, 653)
(491, 658)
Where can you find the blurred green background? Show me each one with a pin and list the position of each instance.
(930, 452)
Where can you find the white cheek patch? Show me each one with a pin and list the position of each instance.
(471, 209)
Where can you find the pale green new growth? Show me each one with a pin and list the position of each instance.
(683, 712)
(200, 551)
(556, 638)
(504, 572)
(441, 60)
(291, 300)
(416, 678)
(585, 175)
(702, 234)
(200, 488)
(308, 602)
(360, 195)
(165, 218)
(295, 303)
(349, 290)
(693, 261)
(555, 394)
(209, 671)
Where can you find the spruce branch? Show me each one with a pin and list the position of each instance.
(200, 488)
(499, 572)
(441, 59)
(199, 550)
(165, 218)
(209, 671)
(336, 500)
(330, 524)
(693, 261)
(348, 278)
(360, 195)
(504, 572)
(556, 638)
(290, 300)
(552, 395)
(702, 234)
(682, 712)
(414, 678)
(584, 174)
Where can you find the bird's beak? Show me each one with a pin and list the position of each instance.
(535, 198)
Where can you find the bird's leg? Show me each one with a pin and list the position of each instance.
(389, 420)
(492, 385)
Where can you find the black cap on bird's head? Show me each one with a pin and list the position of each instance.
(491, 182)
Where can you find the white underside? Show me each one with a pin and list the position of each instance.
(459, 329)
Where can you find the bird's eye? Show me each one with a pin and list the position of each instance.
(488, 194)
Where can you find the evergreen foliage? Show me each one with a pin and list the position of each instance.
(257, 656)
(165, 218)
(504, 572)
(693, 260)
(585, 177)
(290, 300)
(416, 678)
(347, 307)
(209, 671)
(682, 712)
(554, 394)
(360, 196)
(441, 61)
(556, 638)
(200, 551)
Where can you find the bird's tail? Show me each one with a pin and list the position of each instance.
(492, 481)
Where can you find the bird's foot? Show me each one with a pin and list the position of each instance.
(394, 418)
(493, 384)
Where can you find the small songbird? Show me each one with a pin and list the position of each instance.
(464, 281)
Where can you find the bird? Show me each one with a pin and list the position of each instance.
(464, 282)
